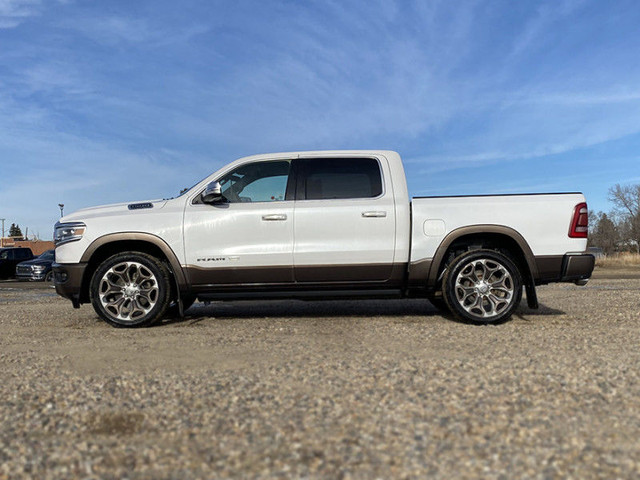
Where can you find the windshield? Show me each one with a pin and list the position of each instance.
(48, 255)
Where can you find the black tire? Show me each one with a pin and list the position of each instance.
(482, 286)
(48, 277)
(131, 289)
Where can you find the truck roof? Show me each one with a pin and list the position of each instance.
(319, 153)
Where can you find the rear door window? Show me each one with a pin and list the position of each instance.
(336, 178)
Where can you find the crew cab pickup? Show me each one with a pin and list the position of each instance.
(317, 225)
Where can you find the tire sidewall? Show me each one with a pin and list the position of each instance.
(164, 290)
(459, 263)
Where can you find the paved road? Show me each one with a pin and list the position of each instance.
(349, 389)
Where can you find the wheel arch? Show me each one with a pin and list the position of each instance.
(113, 243)
(486, 236)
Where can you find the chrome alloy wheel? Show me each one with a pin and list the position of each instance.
(484, 288)
(128, 291)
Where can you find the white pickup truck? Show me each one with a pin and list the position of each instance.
(321, 224)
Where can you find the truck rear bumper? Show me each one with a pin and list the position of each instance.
(67, 278)
(577, 267)
(572, 267)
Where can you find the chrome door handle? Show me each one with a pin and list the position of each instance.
(374, 214)
(274, 217)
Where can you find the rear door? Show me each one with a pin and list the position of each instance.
(344, 220)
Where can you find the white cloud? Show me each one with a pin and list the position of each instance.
(113, 30)
(323, 85)
(535, 29)
(14, 12)
(81, 173)
(43, 166)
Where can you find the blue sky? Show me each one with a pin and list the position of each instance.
(102, 102)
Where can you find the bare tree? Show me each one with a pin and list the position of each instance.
(627, 205)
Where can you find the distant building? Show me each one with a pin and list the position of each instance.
(36, 246)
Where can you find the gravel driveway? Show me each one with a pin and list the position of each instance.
(348, 389)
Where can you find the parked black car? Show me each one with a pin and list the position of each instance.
(38, 269)
(10, 257)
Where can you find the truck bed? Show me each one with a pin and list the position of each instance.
(541, 220)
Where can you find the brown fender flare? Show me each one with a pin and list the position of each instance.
(479, 229)
(140, 237)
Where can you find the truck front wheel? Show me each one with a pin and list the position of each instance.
(131, 289)
(482, 286)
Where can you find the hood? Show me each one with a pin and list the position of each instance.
(113, 209)
(37, 261)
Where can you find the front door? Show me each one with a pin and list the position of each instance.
(247, 239)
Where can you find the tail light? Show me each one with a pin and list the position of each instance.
(580, 222)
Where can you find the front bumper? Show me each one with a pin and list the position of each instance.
(577, 267)
(31, 276)
(67, 278)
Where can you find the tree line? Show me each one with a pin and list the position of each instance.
(14, 230)
(618, 230)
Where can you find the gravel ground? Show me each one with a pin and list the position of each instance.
(349, 389)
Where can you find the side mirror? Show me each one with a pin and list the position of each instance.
(212, 194)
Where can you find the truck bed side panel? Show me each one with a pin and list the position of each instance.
(542, 220)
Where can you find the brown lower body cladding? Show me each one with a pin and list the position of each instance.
(386, 275)
(550, 268)
(564, 268)
(69, 278)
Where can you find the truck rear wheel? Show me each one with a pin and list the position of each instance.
(131, 289)
(482, 286)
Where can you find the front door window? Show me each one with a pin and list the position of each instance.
(256, 182)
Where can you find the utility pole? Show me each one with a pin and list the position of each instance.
(2, 241)
(61, 205)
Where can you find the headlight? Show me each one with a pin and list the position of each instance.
(68, 232)
(38, 268)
